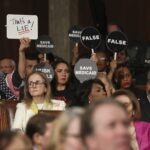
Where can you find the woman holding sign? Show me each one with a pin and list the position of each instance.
(37, 97)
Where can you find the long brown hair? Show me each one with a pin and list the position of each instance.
(28, 98)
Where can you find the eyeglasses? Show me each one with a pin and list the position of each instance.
(36, 83)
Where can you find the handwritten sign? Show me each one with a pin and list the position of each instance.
(19, 26)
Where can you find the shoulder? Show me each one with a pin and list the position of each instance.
(21, 105)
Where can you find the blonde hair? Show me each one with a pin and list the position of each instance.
(61, 125)
(28, 98)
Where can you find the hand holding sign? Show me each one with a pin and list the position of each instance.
(116, 41)
(24, 44)
(85, 69)
(19, 26)
(91, 38)
(94, 57)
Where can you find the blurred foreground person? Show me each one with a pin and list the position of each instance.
(105, 126)
(39, 130)
(66, 131)
(13, 140)
(140, 131)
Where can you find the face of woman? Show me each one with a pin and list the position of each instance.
(73, 140)
(127, 103)
(126, 80)
(97, 92)
(102, 62)
(36, 85)
(62, 73)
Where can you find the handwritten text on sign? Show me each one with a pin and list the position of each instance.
(19, 26)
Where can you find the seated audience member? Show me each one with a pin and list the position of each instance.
(122, 58)
(37, 97)
(12, 140)
(89, 91)
(7, 67)
(124, 80)
(102, 61)
(104, 126)
(140, 131)
(39, 129)
(62, 87)
(145, 101)
(66, 131)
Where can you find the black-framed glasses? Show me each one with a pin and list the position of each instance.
(35, 83)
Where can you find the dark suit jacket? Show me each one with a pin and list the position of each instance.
(145, 107)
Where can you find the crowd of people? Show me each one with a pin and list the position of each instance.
(109, 112)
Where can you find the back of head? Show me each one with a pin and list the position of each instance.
(14, 140)
(87, 119)
(61, 125)
(37, 124)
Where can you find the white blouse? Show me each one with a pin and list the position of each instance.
(23, 114)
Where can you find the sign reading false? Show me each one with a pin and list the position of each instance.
(116, 41)
(19, 26)
(85, 69)
(44, 44)
(45, 68)
(75, 33)
(90, 38)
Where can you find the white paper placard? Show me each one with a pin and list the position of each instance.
(19, 26)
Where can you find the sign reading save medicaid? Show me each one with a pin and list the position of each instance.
(116, 41)
(44, 44)
(45, 68)
(19, 26)
(85, 69)
(75, 33)
(90, 37)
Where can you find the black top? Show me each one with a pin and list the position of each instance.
(145, 107)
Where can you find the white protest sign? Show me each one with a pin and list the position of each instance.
(19, 26)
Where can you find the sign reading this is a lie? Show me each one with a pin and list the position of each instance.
(19, 26)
